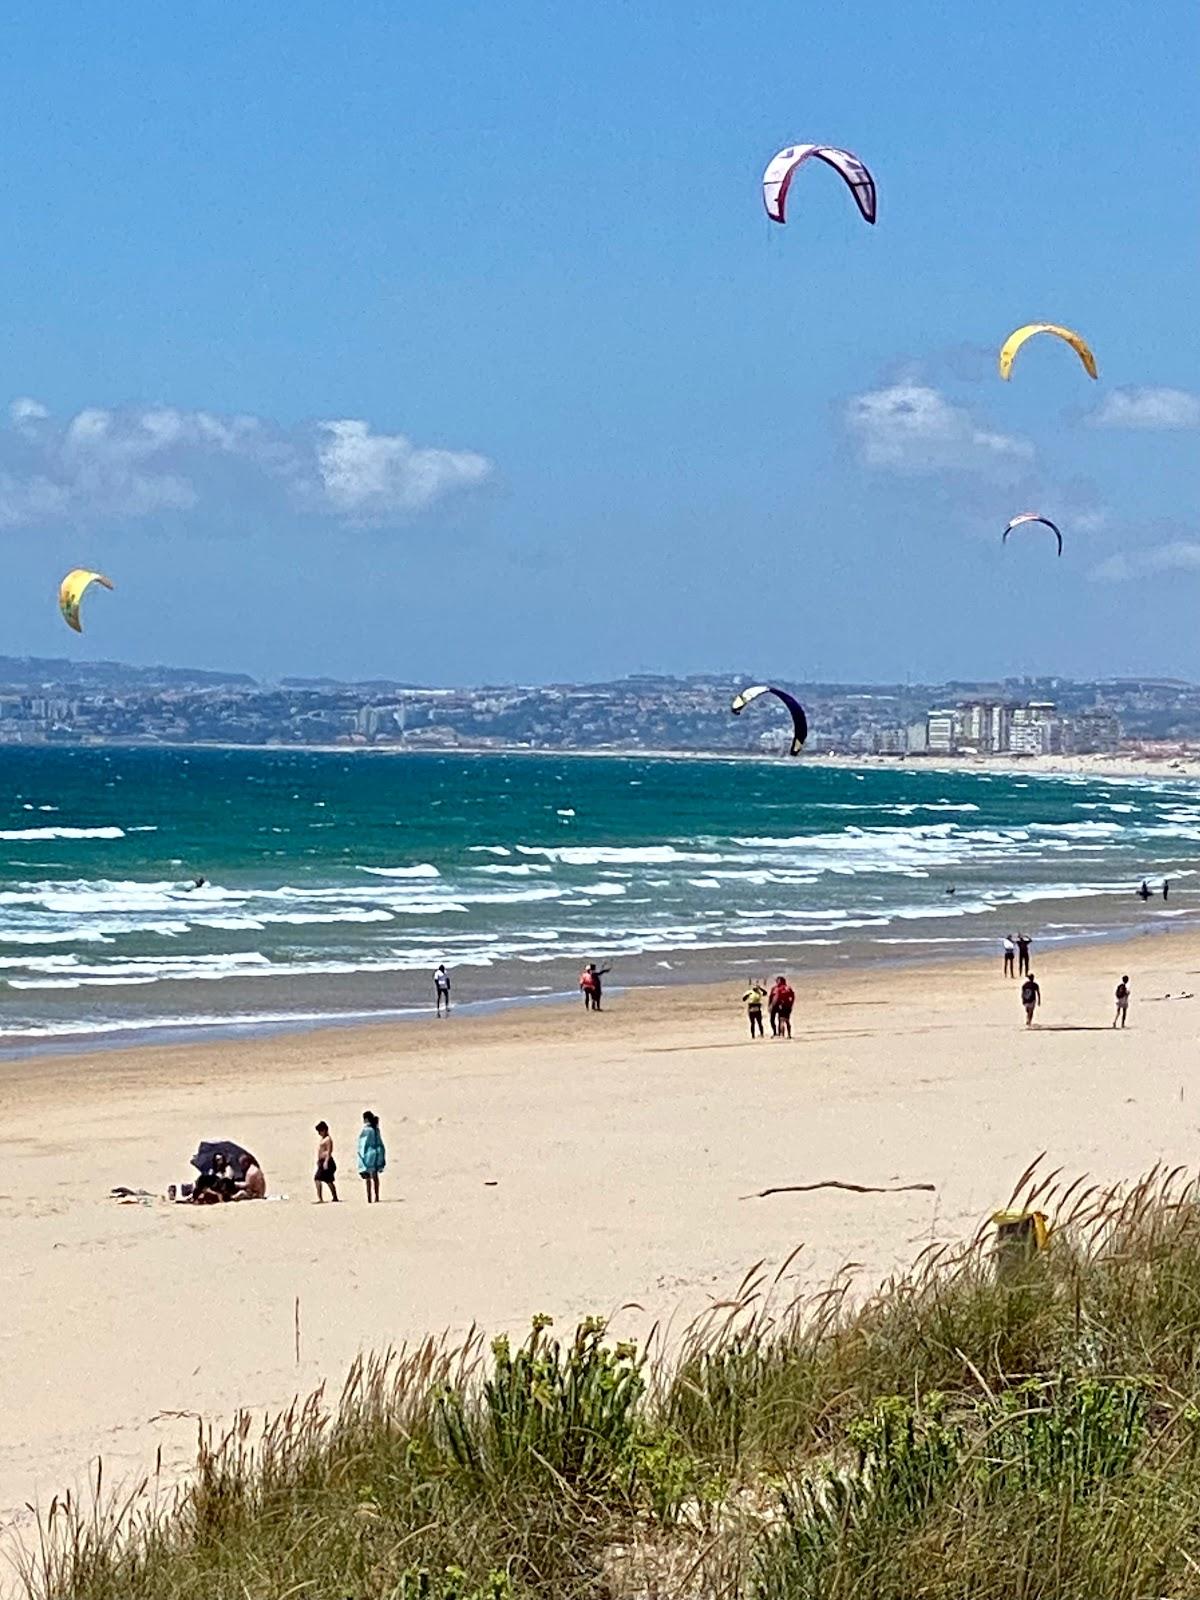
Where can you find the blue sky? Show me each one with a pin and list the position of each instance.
(451, 342)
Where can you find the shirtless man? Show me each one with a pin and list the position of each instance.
(326, 1172)
(254, 1184)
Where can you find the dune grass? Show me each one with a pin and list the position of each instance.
(963, 1433)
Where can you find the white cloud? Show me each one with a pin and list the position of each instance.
(910, 427)
(137, 462)
(24, 411)
(1181, 555)
(1148, 408)
(367, 474)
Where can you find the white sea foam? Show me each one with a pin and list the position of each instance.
(29, 835)
(423, 869)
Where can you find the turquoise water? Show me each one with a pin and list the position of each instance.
(335, 882)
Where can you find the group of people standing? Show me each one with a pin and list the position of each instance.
(778, 1000)
(372, 1159)
(1031, 991)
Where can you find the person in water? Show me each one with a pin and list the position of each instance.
(1144, 891)
(1031, 997)
(1166, 888)
(1122, 1001)
(1010, 956)
(372, 1157)
(326, 1173)
(753, 1002)
(441, 988)
(1023, 944)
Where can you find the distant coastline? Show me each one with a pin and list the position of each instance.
(1123, 764)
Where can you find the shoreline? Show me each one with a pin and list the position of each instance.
(1121, 765)
(710, 969)
(84, 1051)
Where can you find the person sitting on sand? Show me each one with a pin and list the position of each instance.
(372, 1157)
(753, 1002)
(1031, 998)
(1122, 1001)
(326, 1172)
(253, 1183)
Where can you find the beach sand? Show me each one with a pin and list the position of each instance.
(538, 1160)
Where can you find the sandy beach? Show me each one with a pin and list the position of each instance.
(539, 1160)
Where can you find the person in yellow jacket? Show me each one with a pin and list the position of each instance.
(754, 1000)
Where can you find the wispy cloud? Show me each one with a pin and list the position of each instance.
(130, 463)
(1180, 555)
(1147, 408)
(910, 427)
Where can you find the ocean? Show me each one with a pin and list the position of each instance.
(335, 882)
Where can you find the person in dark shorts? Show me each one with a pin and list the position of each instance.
(1122, 1001)
(441, 989)
(326, 1172)
(1031, 997)
(753, 1002)
(592, 984)
(785, 999)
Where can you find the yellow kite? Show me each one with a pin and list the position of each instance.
(71, 592)
(1077, 342)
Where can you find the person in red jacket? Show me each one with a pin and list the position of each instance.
(783, 998)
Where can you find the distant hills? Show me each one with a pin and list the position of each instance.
(40, 672)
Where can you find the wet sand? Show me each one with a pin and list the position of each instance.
(539, 1159)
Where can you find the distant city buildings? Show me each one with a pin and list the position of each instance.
(61, 702)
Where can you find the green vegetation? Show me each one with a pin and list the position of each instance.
(965, 1434)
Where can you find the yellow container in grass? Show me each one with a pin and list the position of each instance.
(1020, 1236)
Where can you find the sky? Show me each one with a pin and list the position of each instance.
(450, 343)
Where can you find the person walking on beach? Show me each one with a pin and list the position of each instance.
(1122, 1001)
(372, 1157)
(1023, 943)
(441, 988)
(1031, 997)
(326, 1172)
(785, 999)
(753, 1002)
(1010, 956)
